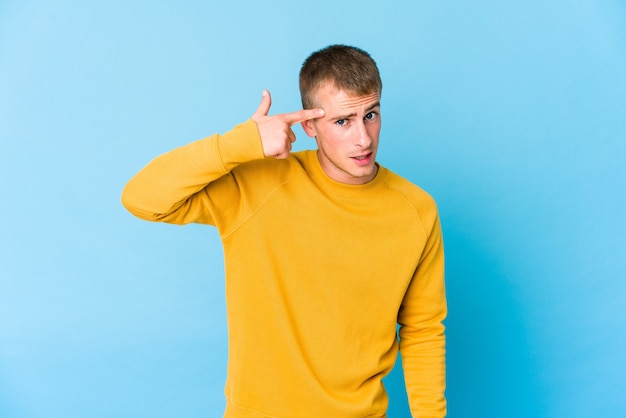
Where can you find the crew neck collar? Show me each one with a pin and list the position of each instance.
(321, 178)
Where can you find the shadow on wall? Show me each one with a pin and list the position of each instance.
(490, 370)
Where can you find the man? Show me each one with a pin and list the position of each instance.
(325, 251)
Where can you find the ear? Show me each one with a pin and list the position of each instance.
(309, 127)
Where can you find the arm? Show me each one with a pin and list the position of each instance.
(173, 187)
(422, 339)
(170, 187)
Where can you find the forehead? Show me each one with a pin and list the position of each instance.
(329, 97)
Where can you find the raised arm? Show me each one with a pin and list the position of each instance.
(171, 187)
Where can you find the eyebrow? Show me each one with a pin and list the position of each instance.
(350, 115)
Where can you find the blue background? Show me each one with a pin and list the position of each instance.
(511, 114)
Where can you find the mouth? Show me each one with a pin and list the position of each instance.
(362, 159)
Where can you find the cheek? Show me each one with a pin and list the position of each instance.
(374, 130)
(333, 137)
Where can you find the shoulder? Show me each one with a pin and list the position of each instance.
(271, 170)
(411, 191)
(414, 196)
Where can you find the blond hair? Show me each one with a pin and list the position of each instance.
(347, 68)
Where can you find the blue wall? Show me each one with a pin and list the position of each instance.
(511, 114)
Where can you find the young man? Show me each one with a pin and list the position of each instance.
(325, 251)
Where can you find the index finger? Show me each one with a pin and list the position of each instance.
(302, 115)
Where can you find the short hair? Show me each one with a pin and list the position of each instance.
(348, 68)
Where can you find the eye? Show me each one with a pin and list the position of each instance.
(342, 122)
(371, 116)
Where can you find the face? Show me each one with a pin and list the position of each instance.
(347, 135)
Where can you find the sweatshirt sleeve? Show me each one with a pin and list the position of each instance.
(422, 338)
(171, 188)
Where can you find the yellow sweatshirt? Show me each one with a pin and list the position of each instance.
(318, 274)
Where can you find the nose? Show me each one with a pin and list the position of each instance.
(362, 137)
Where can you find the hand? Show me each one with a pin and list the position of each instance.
(275, 131)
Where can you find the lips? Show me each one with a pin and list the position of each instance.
(362, 159)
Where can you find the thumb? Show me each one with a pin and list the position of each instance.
(264, 107)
